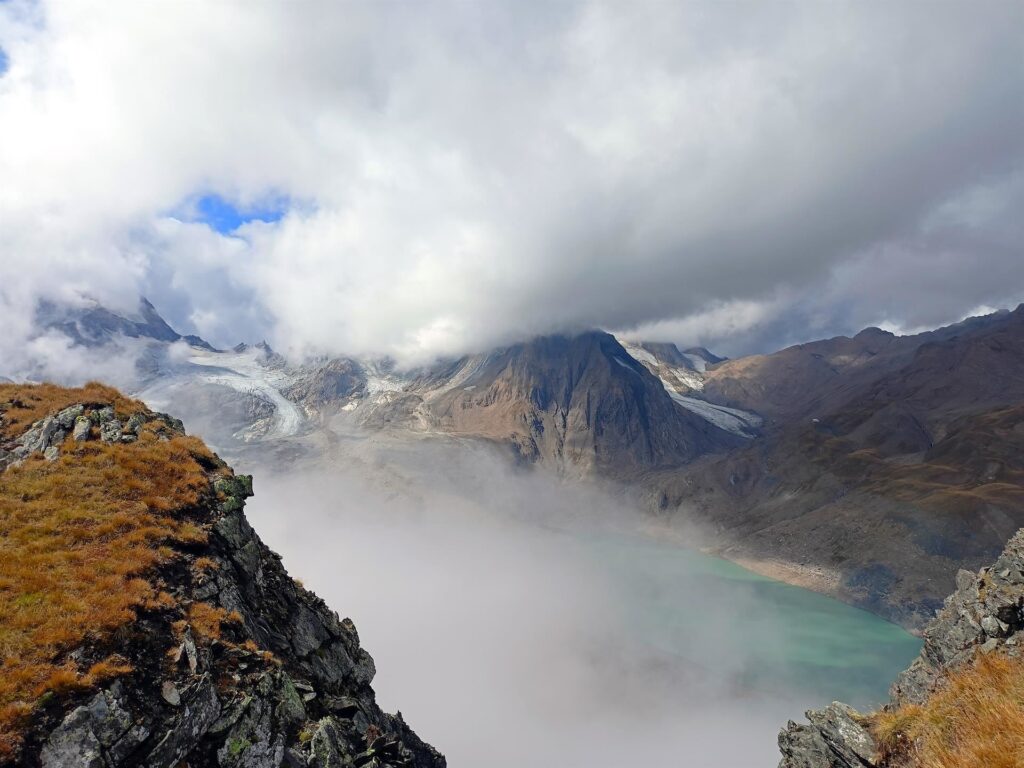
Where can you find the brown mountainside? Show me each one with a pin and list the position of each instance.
(879, 500)
(579, 402)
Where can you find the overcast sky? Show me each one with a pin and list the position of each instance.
(428, 178)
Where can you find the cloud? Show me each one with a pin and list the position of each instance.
(535, 643)
(460, 175)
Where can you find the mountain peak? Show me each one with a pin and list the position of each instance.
(94, 325)
(580, 401)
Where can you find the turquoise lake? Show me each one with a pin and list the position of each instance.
(518, 622)
(701, 607)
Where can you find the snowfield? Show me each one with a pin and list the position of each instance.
(241, 371)
(742, 423)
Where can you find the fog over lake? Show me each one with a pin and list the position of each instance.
(521, 621)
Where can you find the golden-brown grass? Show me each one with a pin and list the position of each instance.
(22, 405)
(975, 719)
(78, 537)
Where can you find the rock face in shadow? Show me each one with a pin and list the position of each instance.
(984, 615)
(579, 403)
(283, 681)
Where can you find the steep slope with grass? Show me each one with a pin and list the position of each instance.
(959, 705)
(142, 621)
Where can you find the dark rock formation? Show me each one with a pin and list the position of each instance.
(984, 615)
(323, 382)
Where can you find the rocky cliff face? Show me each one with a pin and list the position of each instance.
(985, 615)
(580, 403)
(233, 664)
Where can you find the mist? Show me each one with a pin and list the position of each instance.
(500, 631)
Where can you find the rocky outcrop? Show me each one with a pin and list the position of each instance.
(46, 435)
(984, 615)
(325, 382)
(277, 679)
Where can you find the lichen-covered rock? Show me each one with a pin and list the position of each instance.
(135, 422)
(181, 737)
(110, 431)
(101, 729)
(835, 738)
(67, 418)
(984, 614)
(42, 435)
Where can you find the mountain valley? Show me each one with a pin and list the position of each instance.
(902, 465)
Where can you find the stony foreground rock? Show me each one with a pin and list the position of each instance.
(984, 614)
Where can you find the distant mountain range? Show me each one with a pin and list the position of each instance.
(870, 468)
(94, 325)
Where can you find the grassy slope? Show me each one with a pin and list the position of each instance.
(975, 719)
(78, 538)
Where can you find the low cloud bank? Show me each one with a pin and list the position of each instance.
(505, 620)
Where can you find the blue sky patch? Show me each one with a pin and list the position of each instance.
(4, 62)
(225, 217)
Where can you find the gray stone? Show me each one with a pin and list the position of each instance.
(198, 712)
(110, 431)
(290, 709)
(39, 437)
(993, 627)
(73, 744)
(69, 416)
(308, 632)
(186, 652)
(82, 429)
(135, 422)
(834, 739)
(170, 694)
(327, 747)
(102, 725)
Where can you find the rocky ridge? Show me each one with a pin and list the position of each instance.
(273, 678)
(984, 615)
